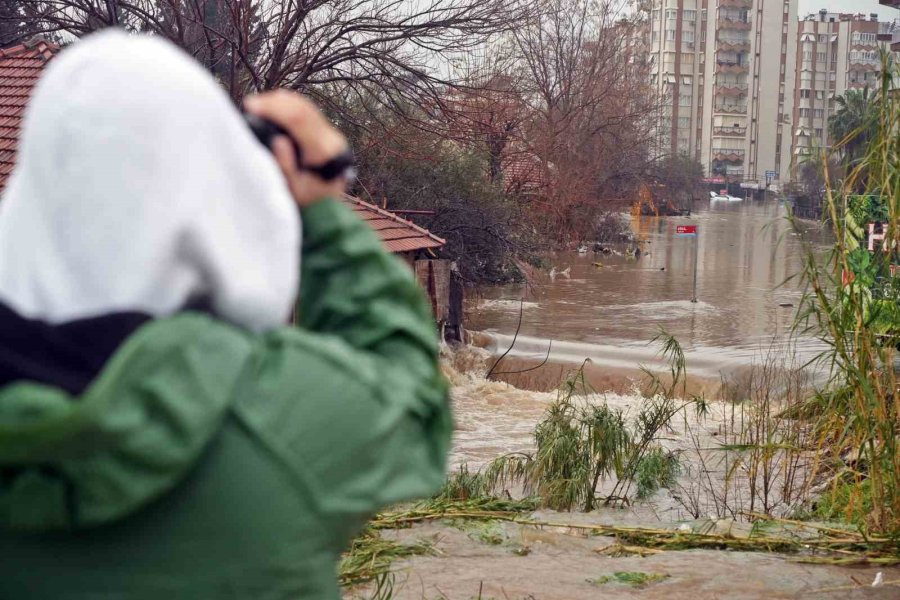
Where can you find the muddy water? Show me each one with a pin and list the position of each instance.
(610, 306)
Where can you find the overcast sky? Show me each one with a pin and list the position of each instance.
(855, 6)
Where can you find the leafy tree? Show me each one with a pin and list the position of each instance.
(851, 126)
(680, 176)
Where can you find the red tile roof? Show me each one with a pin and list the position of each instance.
(20, 67)
(398, 234)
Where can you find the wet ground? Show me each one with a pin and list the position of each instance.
(565, 564)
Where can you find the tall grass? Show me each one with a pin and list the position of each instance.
(852, 306)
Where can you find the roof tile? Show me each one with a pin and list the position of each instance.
(20, 67)
(398, 234)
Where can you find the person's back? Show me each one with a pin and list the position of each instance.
(161, 433)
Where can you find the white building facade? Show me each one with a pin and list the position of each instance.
(835, 53)
(726, 71)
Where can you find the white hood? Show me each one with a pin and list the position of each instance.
(139, 188)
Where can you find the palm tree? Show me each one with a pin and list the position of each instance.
(851, 125)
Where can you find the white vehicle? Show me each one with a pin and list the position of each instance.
(714, 197)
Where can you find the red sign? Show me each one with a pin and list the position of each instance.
(685, 230)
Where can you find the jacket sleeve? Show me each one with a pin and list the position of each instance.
(353, 400)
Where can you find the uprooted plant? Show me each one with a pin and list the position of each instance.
(582, 443)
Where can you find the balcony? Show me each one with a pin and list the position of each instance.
(728, 154)
(730, 109)
(895, 38)
(731, 90)
(737, 24)
(730, 131)
(734, 45)
(727, 66)
(737, 3)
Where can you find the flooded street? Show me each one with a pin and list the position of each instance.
(611, 306)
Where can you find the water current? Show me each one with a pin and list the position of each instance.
(607, 308)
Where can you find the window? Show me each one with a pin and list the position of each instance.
(804, 112)
(807, 55)
(684, 100)
(687, 36)
(819, 113)
(823, 38)
(863, 38)
(820, 56)
(672, 14)
(654, 37)
(684, 122)
(690, 15)
(670, 34)
(818, 131)
(820, 94)
(804, 93)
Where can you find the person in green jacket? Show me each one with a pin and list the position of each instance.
(163, 432)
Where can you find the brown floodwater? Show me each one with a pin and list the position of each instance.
(608, 312)
(607, 307)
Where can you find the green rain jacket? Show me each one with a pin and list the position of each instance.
(208, 462)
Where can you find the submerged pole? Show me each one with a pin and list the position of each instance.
(696, 256)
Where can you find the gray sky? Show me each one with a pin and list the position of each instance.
(855, 6)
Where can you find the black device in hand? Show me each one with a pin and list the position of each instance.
(342, 165)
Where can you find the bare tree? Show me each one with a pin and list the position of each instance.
(12, 23)
(587, 87)
(340, 50)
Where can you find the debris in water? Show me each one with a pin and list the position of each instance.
(685, 528)
(879, 580)
(564, 273)
(786, 304)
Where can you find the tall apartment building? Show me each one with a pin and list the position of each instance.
(835, 53)
(726, 71)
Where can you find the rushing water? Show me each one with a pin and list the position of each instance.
(610, 306)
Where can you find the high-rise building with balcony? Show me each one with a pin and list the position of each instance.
(726, 71)
(835, 52)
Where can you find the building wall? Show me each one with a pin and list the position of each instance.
(835, 52)
(725, 68)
